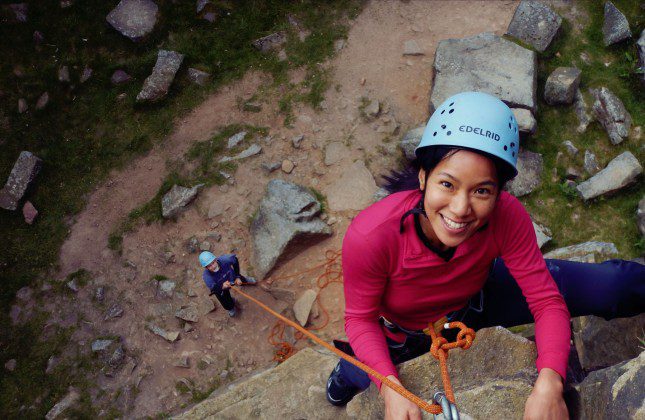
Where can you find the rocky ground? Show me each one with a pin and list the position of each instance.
(153, 360)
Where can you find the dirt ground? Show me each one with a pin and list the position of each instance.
(370, 65)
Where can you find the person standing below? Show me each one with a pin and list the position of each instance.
(220, 274)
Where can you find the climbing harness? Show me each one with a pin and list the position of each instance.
(444, 403)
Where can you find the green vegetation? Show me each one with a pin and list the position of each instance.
(158, 277)
(557, 206)
(89, 129)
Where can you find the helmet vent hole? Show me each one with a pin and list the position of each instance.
(512, 144)
(443, 126)
(443, 111)
(516, 129)
(435, 133)
(509, 126)
(451, 111)
(451, 104)
(505, 148)
(449, 132)
(513, 154)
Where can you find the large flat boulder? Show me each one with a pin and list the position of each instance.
(353, 190)
(294, 389)
(134, 18)
(592, 251)
(499, 363)
(22, 175)
(622, 171)
(535, 24)
(485, 63)
(156, 86)
(288, 216)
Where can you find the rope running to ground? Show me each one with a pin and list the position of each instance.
(439, 348)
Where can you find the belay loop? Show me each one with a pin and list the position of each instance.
(439, 350)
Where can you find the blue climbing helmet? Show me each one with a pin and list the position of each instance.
(206, 258)
(477, 121)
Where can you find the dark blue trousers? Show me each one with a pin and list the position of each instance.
(612, 289)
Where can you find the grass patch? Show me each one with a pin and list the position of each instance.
(158, 277)
(554, 204)
(322, 199)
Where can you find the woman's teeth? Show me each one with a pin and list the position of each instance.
(453, 225)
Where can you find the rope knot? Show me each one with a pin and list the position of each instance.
(437, 344)
(465, 338)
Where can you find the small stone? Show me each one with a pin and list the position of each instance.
(411, 47)
(117, 357)
(42, 101)
(205, 246)
(302, 307)
(591, 164)
(52, 362)
(572, 173)
(86, 74)
(120, 77)
(235, 139)
(270, 42)
(11, 365)
(71, 285)
(198, 77)
(63, 74)
(561, 86)
(192, 245)
(64, 4)
(188, 327)
(182, 362)
(223, 374)
(571, 149)
(188, 313)
(287, 166)
(166, 288)
(115, 311)
(296, 140)
(29, 212)
(99, 294)
(339, 44)
(270, 167)
(134, 19)
(252, 106)
(542, 233)
(22, 106)
(170, 336)
(38, 37)
(373, 109)
(101, 345)
(68, 401)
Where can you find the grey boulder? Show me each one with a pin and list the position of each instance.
(134, 18)
(197, 76)
(641, 55)
(175, 200)
(22, 176)
(411, 140)
(529, 172)
(591, 163)
(353, 190)
(612, 114)
(581, 109)
(465, 65)
(640, 214)
(156, 86)
(592, 251)
(615, 28)
(526, 122)
(602, 343)
(252, 150)
(613, 393)
(542, 234)
(535, 24)
(561, 86)
(72, 397)
(288, 217)
(270, 42)
(622, 171)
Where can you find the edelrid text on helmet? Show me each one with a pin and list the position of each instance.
(477, 121)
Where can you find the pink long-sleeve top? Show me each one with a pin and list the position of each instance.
(392, 274)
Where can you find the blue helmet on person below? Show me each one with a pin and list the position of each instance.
(206, 258)
(477, 121)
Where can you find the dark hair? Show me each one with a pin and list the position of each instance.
(428, 158)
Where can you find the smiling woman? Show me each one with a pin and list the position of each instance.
(468, 253)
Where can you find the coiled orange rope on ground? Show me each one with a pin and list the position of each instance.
(439, 348)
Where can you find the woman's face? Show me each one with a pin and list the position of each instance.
(460, 195)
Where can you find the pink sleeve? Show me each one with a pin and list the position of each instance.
(524, 260)
(365, 278)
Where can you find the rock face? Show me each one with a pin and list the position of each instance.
(603, 343)
(474, 374)
(22, 175)
(353, 190)
(156, 86)
(134, 18)
(621, 171)
(411, 141)
(465, 65)
(288, 215)
(592, 251)
(611, 113)
(615, 28)
(534, 23)
(561, 86)
(174, 201)
(615, 392)
(298, 384)
(529, 172)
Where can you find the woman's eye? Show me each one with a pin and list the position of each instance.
(446, 184)
(483, 191)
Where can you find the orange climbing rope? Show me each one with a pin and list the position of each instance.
(439, 348)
